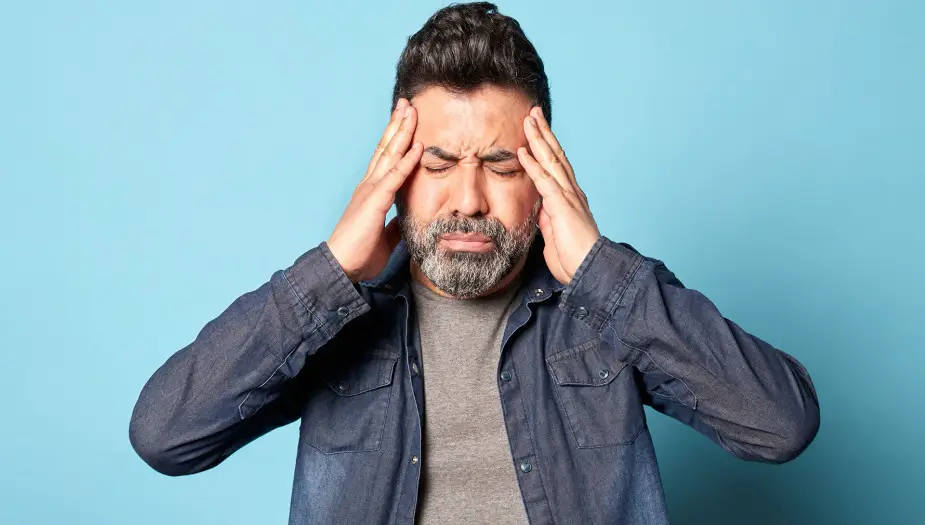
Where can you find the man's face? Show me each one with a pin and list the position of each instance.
(468, 214)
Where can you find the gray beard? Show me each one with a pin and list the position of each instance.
(462, 274)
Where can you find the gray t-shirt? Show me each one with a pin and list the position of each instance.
(468, 474)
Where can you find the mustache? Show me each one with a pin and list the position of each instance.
(489, 227)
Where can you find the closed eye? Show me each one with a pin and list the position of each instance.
(510, 173)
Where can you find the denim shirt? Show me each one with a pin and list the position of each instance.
(577, 365)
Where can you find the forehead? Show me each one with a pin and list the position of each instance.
(473, 122)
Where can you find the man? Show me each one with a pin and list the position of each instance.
(486, 356)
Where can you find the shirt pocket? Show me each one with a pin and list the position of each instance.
(349, 404)
(598, 395)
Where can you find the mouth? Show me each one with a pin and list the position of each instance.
(469, 242)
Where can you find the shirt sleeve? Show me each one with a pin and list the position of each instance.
(239, 378)
(754, 400)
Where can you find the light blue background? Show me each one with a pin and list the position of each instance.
(160, 158)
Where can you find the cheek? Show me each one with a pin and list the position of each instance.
(513, 203)
(423, 195)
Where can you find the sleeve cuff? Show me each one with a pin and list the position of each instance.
(324, 290)
(600, 282)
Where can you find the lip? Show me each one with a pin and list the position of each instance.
(471, 242)
(465, 237)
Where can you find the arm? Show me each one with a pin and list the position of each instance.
(240, 377)
(699, 367)
(755, 401)
(237, 379)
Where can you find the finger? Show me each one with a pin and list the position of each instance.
(394, 122)
(546, 132)
(550, 189)
(397, 146)
(393, 179)
(545, 155)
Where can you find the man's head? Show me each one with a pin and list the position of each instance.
(468, 214)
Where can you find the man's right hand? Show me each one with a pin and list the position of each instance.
(361, 241)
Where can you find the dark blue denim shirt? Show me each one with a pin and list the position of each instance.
(577, 365)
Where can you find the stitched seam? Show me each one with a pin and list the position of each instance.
(401, 484)
(329, 381)
(582, 269)
(558, 396)
(251, 391)
(572, 350)
(626, 287)
(298, 296)
(619, 443)
(532, 443)
(243, 401)
(673, 398)
(647, 354)
(385, 422)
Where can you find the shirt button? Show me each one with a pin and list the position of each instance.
(526, 466)
(414, 368)
(538, 292)
(343, 311)
(604, 373)
(582, 312)
(505, 376)
(343, 386)
(414, 459)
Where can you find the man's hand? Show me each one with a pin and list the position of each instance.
(361, 241)
(565, 218)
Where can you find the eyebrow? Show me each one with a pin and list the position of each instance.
(499, 155)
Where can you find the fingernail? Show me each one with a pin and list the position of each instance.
(531, 121)
(540, 111)
(407, 112)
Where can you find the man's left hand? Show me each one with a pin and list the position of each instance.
(565, 219)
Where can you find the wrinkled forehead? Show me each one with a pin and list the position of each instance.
(471, 123)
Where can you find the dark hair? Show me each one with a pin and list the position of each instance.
(463, 46)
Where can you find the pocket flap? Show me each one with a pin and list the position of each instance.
(583, 365)
(361, 373)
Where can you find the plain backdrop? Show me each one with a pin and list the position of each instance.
(158, 159)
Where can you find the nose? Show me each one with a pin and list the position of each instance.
(467, 192)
